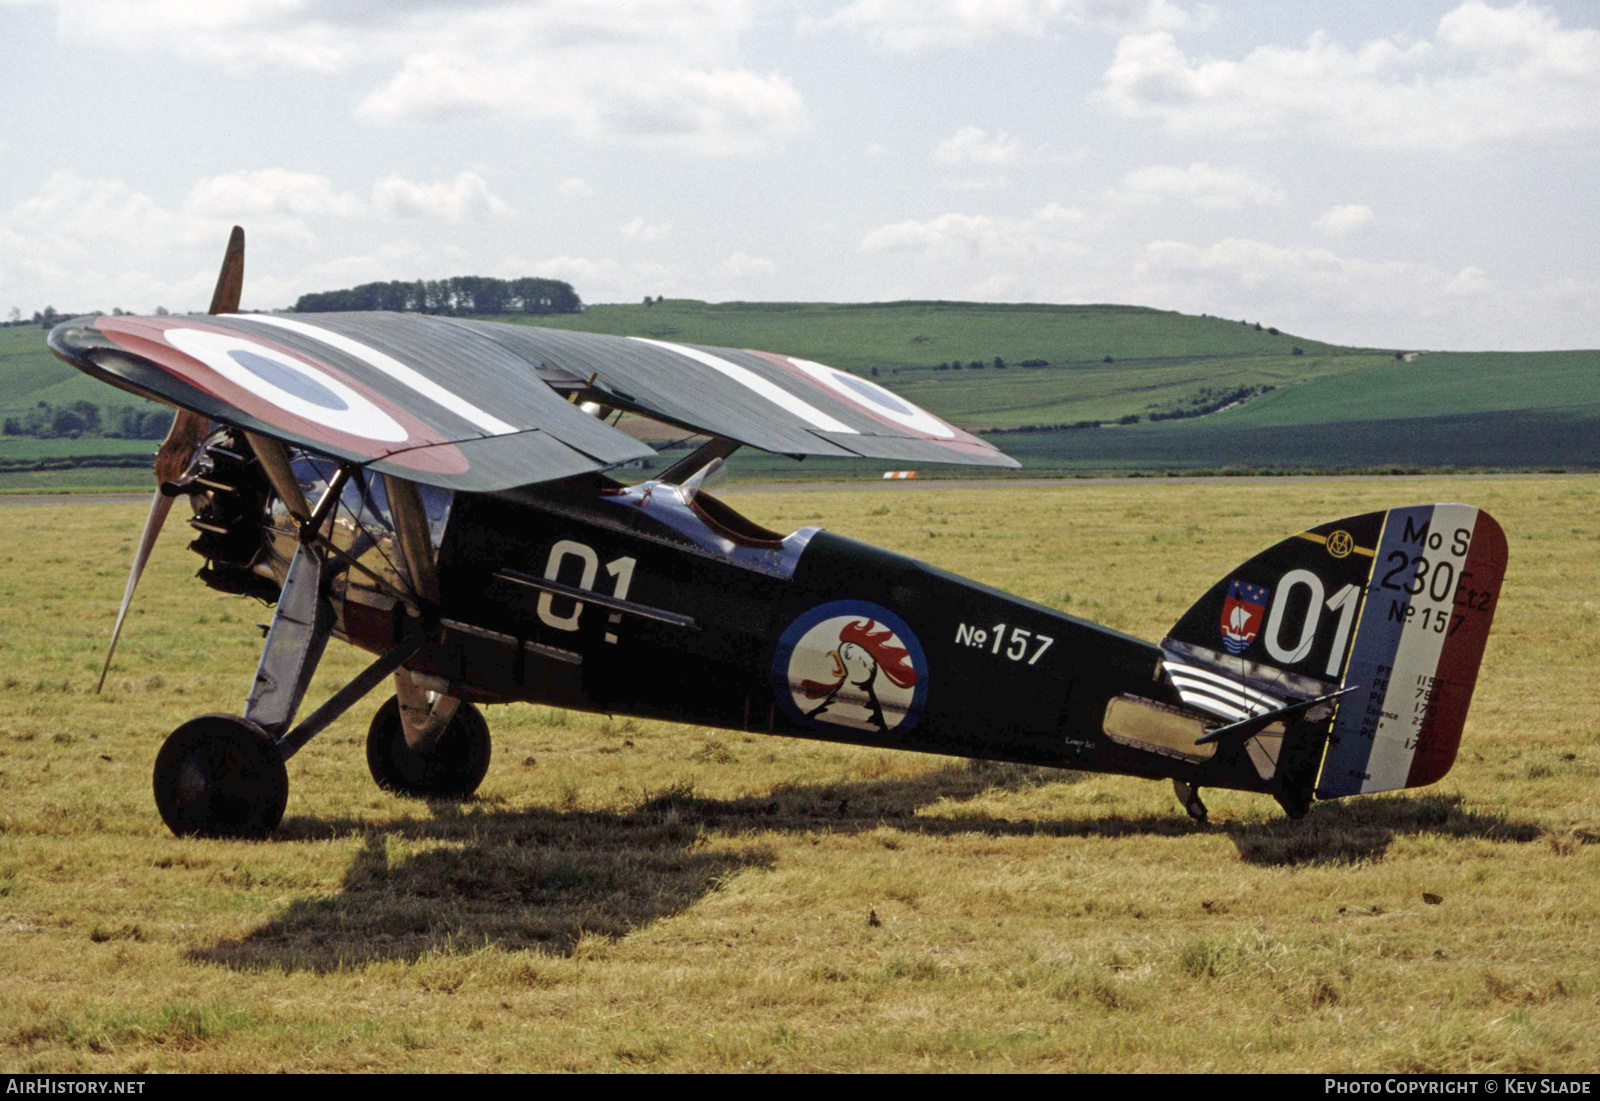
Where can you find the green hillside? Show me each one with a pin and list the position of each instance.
(1329, 407)
(1158, 359)
(1437, 384)
(899, 334)
(30, 374)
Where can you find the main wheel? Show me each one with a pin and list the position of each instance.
(220, 776)
(452, 769)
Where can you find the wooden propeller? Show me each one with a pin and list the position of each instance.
(187, 430)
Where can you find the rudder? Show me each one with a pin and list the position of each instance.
(1393, 606)
(1419, 641)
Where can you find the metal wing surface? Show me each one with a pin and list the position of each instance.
(474, 405)
(408, 395)
(778, 403)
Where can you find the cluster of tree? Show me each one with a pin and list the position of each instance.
(998, 363)
(1209, 401)
(84, 418)
(1025, 428)
(648, 301)
(972, 365)
(464, 295)
(135, 461)
(49, 317)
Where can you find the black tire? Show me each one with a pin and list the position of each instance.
(220, 776)
(452, 769)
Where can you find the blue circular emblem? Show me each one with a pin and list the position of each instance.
(298, 383)
(851, 664)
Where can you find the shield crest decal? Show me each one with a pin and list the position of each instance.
(1241, 614)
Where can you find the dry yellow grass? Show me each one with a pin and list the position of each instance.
(628, 895)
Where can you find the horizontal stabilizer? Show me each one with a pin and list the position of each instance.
(1247, 728)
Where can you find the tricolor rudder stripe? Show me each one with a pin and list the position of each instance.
(1425, 617)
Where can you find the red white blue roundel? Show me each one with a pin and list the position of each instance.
(852, 664)
(287, 382)
(881, 401)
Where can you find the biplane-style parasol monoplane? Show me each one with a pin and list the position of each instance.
(441, 492)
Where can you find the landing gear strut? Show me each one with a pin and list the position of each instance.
(223, 775)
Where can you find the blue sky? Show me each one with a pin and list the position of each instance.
(1417, 175)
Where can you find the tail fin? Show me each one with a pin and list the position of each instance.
(1392, 609)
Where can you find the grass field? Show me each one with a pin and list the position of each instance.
(631, 895)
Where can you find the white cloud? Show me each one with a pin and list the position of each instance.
(574, 187)
(973, 183)
(1488, 74)
(465, 197)
(743, 266)
(1393, 303)
(1052, 229)
(1339, 220)
(903, 26)
(641, 230)
(652, 71)
(604, 280)
(81, 243)
(970, 145)
(239, 195)
(72, 216)
(241, 33)
(1200, 184)
(1469, 282)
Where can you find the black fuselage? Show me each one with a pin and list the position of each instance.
(982, 673)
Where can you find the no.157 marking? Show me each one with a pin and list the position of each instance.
(995, 641)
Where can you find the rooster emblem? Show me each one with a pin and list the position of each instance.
(863, 669)
(863, 654)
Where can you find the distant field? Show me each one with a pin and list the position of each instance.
(628, 895)
(1566, 439)
(30, 374)
(1160, 359)
(1331, 408)
(1439, 384)
(895, 334)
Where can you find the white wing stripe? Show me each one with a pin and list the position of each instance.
(396, 370)
(747, 378)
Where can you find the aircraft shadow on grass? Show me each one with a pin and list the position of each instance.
(544, 879)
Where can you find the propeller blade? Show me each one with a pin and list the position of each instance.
(187, 431)
(159, 507)
(230, 280)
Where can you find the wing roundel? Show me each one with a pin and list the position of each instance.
(484, 405)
